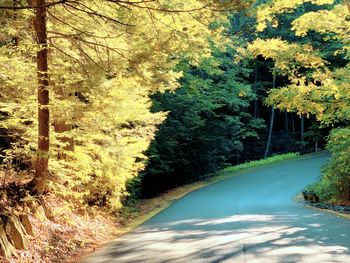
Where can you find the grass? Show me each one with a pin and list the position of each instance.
(145, 209)
(252, 164)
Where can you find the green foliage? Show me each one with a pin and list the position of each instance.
(313, 52)
(325, 189)
(335, 182)
(207, 122)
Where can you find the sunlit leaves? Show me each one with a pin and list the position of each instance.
(333, 23)
(324, 89)
(288, 57)
(267, 13)
(320, 90)
(105, 59)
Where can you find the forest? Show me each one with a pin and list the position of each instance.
(105, 103)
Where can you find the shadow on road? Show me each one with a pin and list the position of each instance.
(250, 218)
(273, 237)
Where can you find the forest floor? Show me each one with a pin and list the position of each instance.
(64, 239)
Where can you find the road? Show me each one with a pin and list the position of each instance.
(249, 218)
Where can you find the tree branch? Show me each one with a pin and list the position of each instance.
(34, 7)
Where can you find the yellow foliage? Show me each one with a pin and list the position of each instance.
(267, 13)
(323, 92)
(102, 72)
(287, 56)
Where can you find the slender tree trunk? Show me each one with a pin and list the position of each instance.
(293, 126)
(38, 184)
(302, 128)
(316, 146)
(15, 38)
(268, 144)
(286, 123)
(256, 111)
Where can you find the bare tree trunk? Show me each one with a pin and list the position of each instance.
(293, 126)
(286, 123)
(38, 184)
(316, 146)
(302, 128)
(15, 38)
(256, 111)
(268, 144)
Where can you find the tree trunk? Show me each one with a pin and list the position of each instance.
(293, 126)
(268, 144)
(286, 123)
(15, 38)
(316, 146)
(302, 128)
(256, 110)
(38, 184)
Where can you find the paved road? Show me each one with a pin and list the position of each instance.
(249, 218)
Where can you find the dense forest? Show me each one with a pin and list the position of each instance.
(106, 102)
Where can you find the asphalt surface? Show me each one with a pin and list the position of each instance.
(249, 218)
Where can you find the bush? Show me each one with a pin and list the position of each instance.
(335, 183)
(325, 189)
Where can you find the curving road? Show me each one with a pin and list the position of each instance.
(249, 218)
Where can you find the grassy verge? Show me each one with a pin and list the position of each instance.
(145, 209)
(262, 162)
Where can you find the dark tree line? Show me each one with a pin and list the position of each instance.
(219, 116)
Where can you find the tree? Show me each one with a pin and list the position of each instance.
(91, 45)
(317, 65)
(206, 124)
(38, 184)
(272, 118)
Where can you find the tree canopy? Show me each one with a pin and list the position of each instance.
(105, 102)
